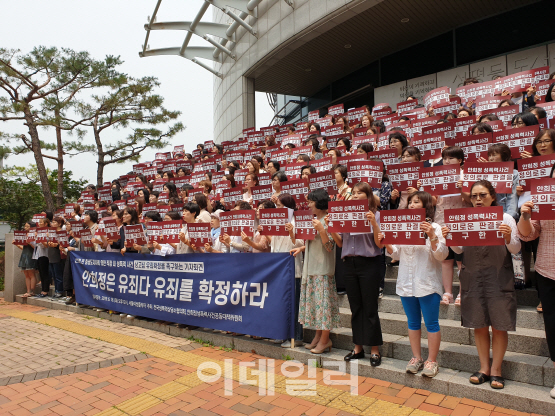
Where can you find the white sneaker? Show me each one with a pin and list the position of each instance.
(287, 344)
(552, 393)
(130, 316)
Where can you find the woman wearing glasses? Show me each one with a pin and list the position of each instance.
(488, 295)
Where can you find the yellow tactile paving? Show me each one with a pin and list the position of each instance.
(325, 395)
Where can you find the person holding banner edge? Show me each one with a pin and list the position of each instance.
(361, 256)
(488, 296)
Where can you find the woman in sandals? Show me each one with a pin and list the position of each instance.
(488, 296)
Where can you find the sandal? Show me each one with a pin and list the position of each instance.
(482, 378)
(458, 300)
(447, 299)
(539, 308)
(497, 379)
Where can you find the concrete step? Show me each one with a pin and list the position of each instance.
(525, 368)
(516, 395)
(524, 340)
(526, 316)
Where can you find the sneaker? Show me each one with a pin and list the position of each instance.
(287, 344)
(277, 341)
(57, 295)
(552, 393)
(415, 365)
(380, 295)
(431, 368)
(130, 316)
(70, 301)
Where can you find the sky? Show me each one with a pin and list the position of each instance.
(107, 27)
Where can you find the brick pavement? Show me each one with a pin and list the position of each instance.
(166, 381)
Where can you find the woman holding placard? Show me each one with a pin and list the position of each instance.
(544, 230)
(361, 258)
(488, 295)
(420, 286)
(28, 264)
(318, 305)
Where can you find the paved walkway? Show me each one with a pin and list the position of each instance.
(110, 369)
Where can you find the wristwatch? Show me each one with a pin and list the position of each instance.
(434, 239)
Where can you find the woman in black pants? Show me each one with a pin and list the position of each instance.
(362, 264)
(41, 255)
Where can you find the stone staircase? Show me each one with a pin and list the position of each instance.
(527, 368)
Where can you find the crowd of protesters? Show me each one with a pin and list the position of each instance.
(335, 264)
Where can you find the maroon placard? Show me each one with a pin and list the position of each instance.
(237, 155)
(150, 172)
(134, 234)
(51, 234)
(406, 105)
(304, 230)
(387, 156)
(293, 170)
(264, 178)
(199, 234)
(348, 216)
(172, 229)
(441, 180)
(380, 106)
(163, 156)
(240, 175)
(299, 150)
(324, 180)
(150, 207)
(86, 237)
(20, 238)
(430, 145)
(186, 164)
(370, 171)
(121, 203)
(138, 168)
(332, 130)
(496, 125)
(355, 115)
(298, 188)
(196, 178)
(321, 165)
(233, 222)
(279, 155)
(345, 160)
(500, 174)
(76, 226)
(336, 109)
(295, 139)
(403, 125)
(100, 229)
(68, 210)
(474, 91)
(541, 90)
(180, 181)
(543, 197)
(88, 198)
(506, 114)
(536, 167)
(520, 81)
(209, 165)
(154, 232)
(111, 229)
(361, 131)
(370, 138)
(452, 107)
(231, 196)
(462, 125)
(273, 221)
(31, 235)
(105, 194)
(417, 126)
(518, 140)
(220, 186)
(404, 175)
(177, 208)
(313, 115)
(437, 97)
(158, 185)
(402, 226)
(163, 210)
(474, 147)
(477, 226)
(164, 197)
(89, 206)
(62, 238)
(37, 217)
(485, 104)
(261, 193)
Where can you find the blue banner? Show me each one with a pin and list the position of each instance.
(246, 293)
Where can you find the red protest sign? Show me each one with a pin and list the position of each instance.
(484, 104)
(437, 97)
(163, 210)
(273, 221)
(171, 230)
(462, 125)
(37, 217)
(231, 196)
(534, 168)
(541, 90)
(543, 197)
(358, 140)
(261, 193)
(477, 226)
(418, 125)
(402, 226)
(134, 234)
(300, 150)
(518, 140)
(359, 157)
(69, 210)
(474, 147)
(62, 238)
(549, 108)
(336, 109)
(164, 198)
(430, 145)
(404, 175)
(150, 207)
(332, 130)
(199, 234)
(520, 81)
(297, 188)
(111, 229)
(387, 156)
(324, 180)
(234, 222)
(20, 238)
(294, 139)
(406, 105)
(279, 155)
(452, 107)
(105, 194)
(474, 91)
(77, 227)
(441, 180)
(313, 115)
(506, 114)
(240, 175)
(321, 165)
(86, 237)
(348, 216)
(177, 208)
(370, 171)
(293, 170)
(355, 115)
(150, 172)
(220, 186)
(264, 179)
(304, 230)
(158, 185)
(500, 174)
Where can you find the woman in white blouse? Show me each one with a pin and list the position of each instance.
(488, 295)
(419, 285)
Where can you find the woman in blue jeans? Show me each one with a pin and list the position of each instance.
(419, 285)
